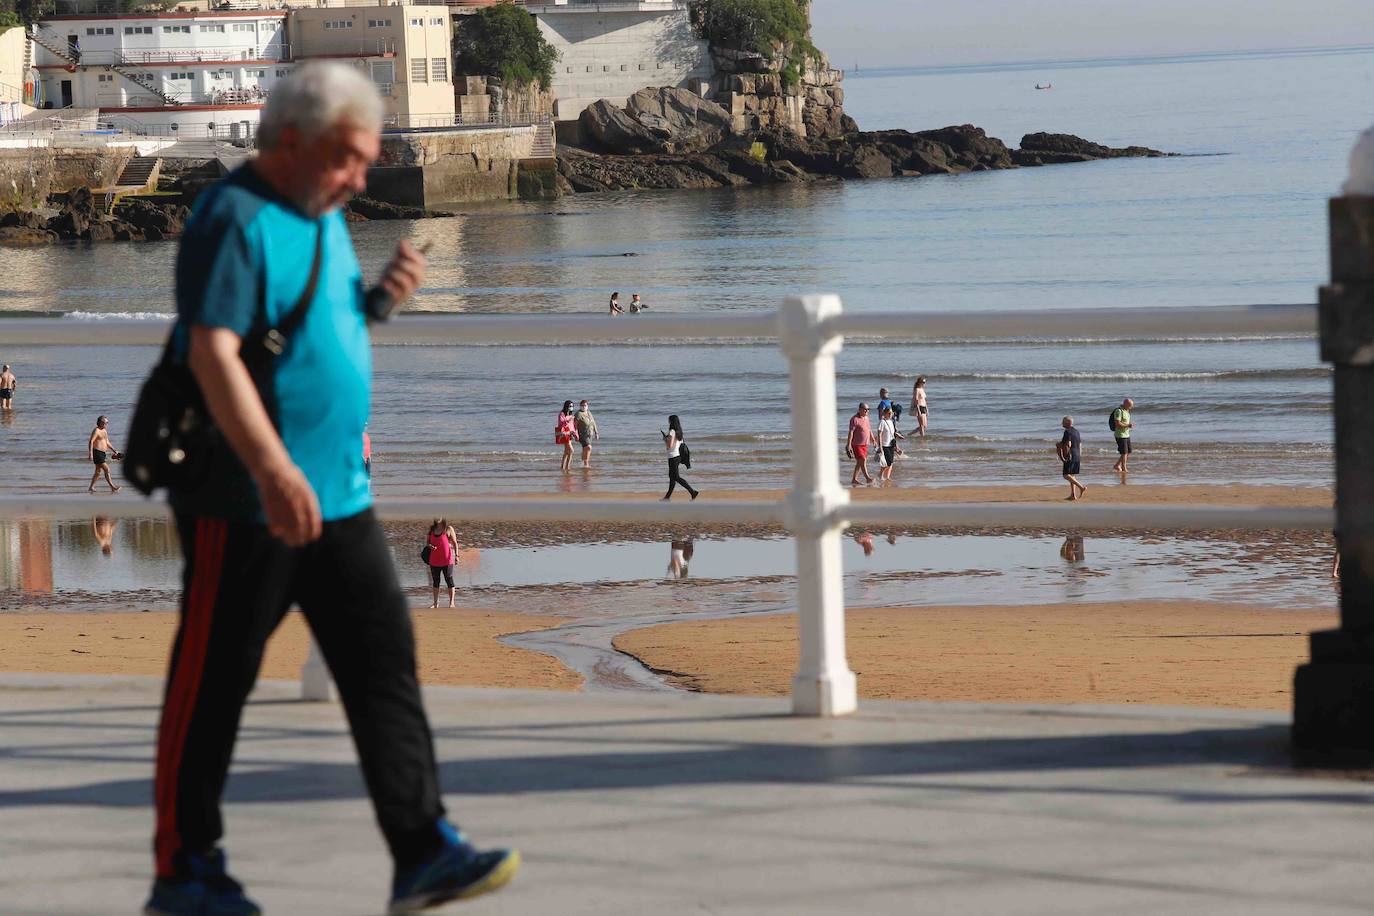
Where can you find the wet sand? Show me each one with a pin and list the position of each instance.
(1174, 653)
(1103, 491)
(457, 647)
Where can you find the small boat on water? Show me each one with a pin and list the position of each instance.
(1046, 86)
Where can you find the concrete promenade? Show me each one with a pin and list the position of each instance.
(642, 804)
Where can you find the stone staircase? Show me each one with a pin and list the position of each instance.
(139, 175)
(140, 171)
(135, 73)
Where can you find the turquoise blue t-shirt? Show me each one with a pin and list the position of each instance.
(243, 264)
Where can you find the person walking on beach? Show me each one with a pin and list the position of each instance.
(615, 305)
(99, 451)
(884, 403)
(291, 521)
(587, 432)
(675, 441)
(887, 441)
(1070, 453)
(856, 444)
(918, 405)
(565, 434)
(7, 385)
(442, 542)
(1121, 429)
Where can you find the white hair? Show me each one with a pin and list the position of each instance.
(316, 97)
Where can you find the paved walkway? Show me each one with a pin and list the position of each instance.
(685, 804)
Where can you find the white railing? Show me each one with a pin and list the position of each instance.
(810, 331)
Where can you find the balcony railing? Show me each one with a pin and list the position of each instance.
(184, 55)
(400, 123)
(810, 331)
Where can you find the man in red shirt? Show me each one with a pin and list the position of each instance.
(856, 444)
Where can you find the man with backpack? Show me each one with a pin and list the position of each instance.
(1120, 424)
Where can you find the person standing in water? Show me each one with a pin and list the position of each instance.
(1121, 429)
(587, 432)
(887, 441)
(99, 451)
(443, 557)
(1071, 453)
(565, 434)
(615, 305)
(673, 440)
(7, 385)
(918, 405)
(856, 444)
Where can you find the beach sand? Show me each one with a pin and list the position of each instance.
(1170, 653)
(456, 647)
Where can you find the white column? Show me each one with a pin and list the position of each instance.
(316, 684)
(823, 685)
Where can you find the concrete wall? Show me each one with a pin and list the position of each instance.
(431, 168)
(28, 176)
(12, 44)
(613, 53)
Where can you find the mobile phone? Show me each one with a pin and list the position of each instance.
(378, 302)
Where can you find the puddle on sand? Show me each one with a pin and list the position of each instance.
(609, 587)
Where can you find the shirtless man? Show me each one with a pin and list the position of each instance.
(99, 449)
(7, 384)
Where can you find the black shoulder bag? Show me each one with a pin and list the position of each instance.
(684, 455)
(173, 441)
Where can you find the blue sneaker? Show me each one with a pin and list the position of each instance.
(458, 871)
(207, 890)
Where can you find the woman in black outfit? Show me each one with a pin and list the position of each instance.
(673, 439)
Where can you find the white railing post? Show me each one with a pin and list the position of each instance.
(823, 685)
(316, 684)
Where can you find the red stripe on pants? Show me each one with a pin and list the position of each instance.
(208, 554)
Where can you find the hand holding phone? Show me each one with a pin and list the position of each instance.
(379, 303)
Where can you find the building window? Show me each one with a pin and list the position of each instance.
(219, 27)
(104, 78)
(339, 24)
(379, 23)
(101, 31)
(245, 27)
(178, 75)
(417, 71)
(282, 74)
(436, 21)
(138, 30)
(417, 21)
(169, 29)
(439, 67)
(260, 74)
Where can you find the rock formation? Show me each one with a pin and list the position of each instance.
(785, 156)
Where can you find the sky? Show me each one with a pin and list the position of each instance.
(895, 33)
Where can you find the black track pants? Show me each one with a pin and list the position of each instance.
(238, 583)
(675, 477)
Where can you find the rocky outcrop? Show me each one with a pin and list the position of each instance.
(365, 208)
(1052, 149)
(786, 156)
(79, 217)
(683, 120)
(656, 120)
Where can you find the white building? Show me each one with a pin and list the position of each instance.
(184, 73)
(611, 49)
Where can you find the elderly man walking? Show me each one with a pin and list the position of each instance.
(291, 522)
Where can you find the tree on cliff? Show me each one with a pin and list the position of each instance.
(504, 40)
(773, 28)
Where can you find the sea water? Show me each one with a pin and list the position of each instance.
(1238, 219)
